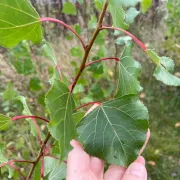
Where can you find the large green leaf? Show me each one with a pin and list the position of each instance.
(118, 14)
(4, 122)
(18, 21)
(61, 105)
(116, 130)
(129, 70)
(164, 68)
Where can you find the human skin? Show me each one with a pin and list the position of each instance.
(81, 166)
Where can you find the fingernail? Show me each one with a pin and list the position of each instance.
(137, 169)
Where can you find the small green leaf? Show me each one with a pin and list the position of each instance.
(4, 122)
(77, 28)
(26, 111)
(145, 5)
(131, 14)
(60, 104)
(156, 59)
(116, 130)
(123, 40)
(9, 93)
(35, 84)
(20, 58)
(167, 78)
(76, 52)
(98, 4)
(92, 23)
(118, 14)
(129, 70)
(79, 88)
(18, 21)
(48, 52)
(4, 159)
(69, 8)
(165, 65)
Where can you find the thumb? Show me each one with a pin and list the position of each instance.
(136, 171)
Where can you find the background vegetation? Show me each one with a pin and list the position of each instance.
(158, 27)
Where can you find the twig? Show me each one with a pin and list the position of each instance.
(103, 59)
(66, 25)
(89, 46)
(39, 157)
(142, 46)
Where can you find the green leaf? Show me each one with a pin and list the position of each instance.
(4, 159)
(145, 5)
(131, 14)
(20, 58)
(98, 4)
(77, 28)
(77, 117)
(165, 65)
(26, 111)
(123, 40)
(59, 173)
(118, 14)
(69, 8)
(129, 70)
(100, 39)
(61, 105)
(167, 78)
(128, 3)
(48, 52)
(116, 130)
(92, 23)
(76, 52)
(18, 21)
(35, 84)
(9, 93)
(4, 122)
(79, 88)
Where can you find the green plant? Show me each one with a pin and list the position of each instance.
(115, 130)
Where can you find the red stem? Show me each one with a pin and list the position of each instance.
(103, 59)
(38, 131)
(26, 116)
(84, 105)
(18, 170)
(142, 46)
(60, 73)
(66, 25)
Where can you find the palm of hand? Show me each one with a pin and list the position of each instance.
(82, 166)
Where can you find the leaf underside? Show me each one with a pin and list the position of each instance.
(116, 130)
(18, 21)
(61, 105)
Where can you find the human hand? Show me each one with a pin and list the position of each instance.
(81, 166)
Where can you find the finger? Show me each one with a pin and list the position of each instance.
(97, 167)
(136, 171)
(147, 139)
(114, 172)
(78, 161)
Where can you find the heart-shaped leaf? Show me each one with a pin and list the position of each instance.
(18, 21)
(129, 70)
(60, 103)
(4, 122)
(116, 130)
